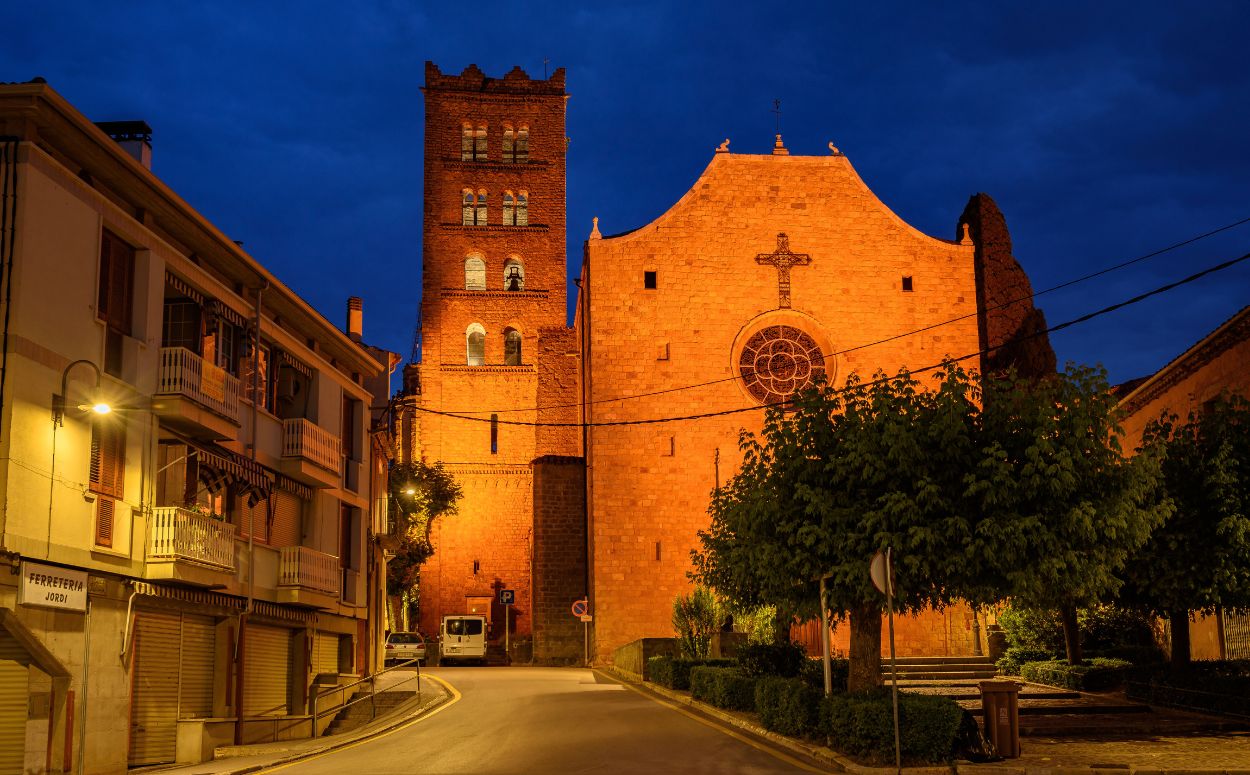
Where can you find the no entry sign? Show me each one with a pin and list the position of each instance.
(581, 608)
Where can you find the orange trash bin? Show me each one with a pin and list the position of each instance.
(1000, 702)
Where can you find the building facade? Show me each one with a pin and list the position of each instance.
(192, 568)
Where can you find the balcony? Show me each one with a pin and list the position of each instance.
(311, 454)
(199, 397)
(189, 547)
(307, 577)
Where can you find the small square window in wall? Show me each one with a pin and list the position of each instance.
(907, 282)
(662, 352)
(667, 446)
(648, 280)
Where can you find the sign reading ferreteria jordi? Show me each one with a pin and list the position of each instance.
(48, 586)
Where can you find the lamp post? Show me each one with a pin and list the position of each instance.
(59, 400)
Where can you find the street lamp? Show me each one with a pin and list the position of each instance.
(58, 401)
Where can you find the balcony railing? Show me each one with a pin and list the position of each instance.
(300, 566)
(179, 534)
(307, 440)
(183, 373)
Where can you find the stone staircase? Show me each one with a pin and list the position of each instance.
(361, 713)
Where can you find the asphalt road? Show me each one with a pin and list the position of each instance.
(550, 720)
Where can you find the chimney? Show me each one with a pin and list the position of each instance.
(355, 318)
(135, 138)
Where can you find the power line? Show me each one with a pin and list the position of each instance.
(886, 340)
(738, 410)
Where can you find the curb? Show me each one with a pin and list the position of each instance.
(411, 714)
(828, 756)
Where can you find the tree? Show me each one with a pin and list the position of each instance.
(838, 476)
(695, 619)
(419, 494)
(1199, 560)
(1062, 509)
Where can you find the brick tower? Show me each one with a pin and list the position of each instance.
(493, 298)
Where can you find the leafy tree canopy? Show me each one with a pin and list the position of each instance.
(419, 494)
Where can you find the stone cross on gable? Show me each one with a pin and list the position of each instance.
(783, 259)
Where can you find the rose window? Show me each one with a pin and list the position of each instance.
(779, 361)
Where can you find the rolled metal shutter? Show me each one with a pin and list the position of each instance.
(154, 693)
(266, 671)
(326, 653)
(14, 695)
(195, 692)
(288, 514)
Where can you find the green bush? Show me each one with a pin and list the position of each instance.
(724, 687)
(695, 618)
(1109, 631)
(674, 672)
(1212, 686)
(781, 659)
(862, 725)
(813, 673)
(1090, 675)
(1016, 656)
(789, 706)
(1032, 628)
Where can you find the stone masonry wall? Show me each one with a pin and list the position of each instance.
(559, 557)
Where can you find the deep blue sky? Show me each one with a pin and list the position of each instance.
(1103, 130)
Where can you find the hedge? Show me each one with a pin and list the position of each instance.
(780, 659)
(724, 687)
(863, 725)
(813, 673)
(787, 705)
(674, 672)
(1090, 675)
(1212, 686)
(1015, 658)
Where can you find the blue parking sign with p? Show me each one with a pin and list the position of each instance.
(507, 596)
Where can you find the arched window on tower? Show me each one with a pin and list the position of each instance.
(466, 207)
(475, 272)
(511, 347)
(513, 275)
(522, 148)
(481, 208)
(523, 209)
(472, 142)
(509, 144)
(509, 209)
(475, 343)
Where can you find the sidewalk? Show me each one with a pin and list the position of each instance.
(252, 758)
(1206, 754)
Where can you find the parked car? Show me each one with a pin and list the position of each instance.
(403, 646)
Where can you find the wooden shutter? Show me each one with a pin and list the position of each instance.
(117, 276)
(266, 671)
(288, 517)
(14, 694)
(326, 653)
(108, 457)
(195, 694)
(105, 516)
(154, 698)
(255, 518)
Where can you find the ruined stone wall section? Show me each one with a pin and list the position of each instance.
(650, 484)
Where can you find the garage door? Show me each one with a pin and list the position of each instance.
(326, 653)
(14, 694)
(266, 671)
(172, 679)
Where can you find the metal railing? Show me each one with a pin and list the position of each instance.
(305, 439)
(183, 373)
(299, 566)
(371, 696)
(179, 534)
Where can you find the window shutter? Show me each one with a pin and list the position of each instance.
(117, 272)
(104, 512)
(108, 459)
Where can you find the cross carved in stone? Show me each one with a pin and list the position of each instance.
(783, 259)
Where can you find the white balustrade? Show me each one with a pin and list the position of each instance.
(305, 439)
(178, 534)
(183, 373)
(300, 566)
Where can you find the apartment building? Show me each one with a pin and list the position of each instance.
(190, 568)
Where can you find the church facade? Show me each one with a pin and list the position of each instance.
(773, 269)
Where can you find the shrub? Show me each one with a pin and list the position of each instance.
(1016, 656)
(1032, 628)
(1091, 675)
(782, 659)
(1221, 687)
(862, 725)
(724, 687)
(674, 672)
(1109, 631)
(813, 673)
(787, 705)
(695, 619)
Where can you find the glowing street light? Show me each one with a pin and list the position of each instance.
(58, 400)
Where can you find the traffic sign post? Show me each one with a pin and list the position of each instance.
(581, 609)
(507, 597)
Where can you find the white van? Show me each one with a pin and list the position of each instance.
(462, 638)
